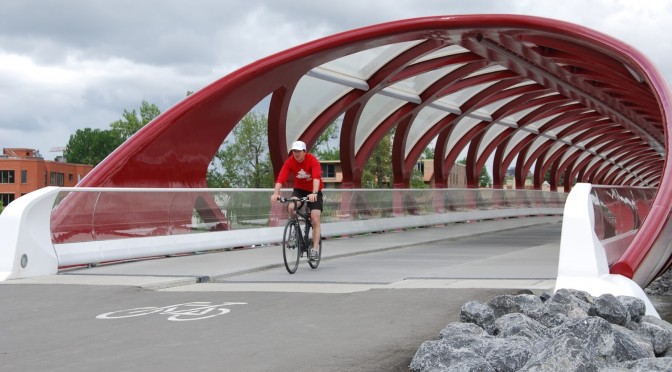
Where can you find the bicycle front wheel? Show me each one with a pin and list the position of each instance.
(291, 246)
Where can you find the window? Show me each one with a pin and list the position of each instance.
(6, 176)
(24, 176)
(328, 170)
(56, 179)
(420, 166)
(70, 177)
(5, 199)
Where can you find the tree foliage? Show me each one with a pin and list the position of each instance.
(378, 170)
(561, 180)
(417, 176)
(131, 123)
(484, 179)
(91, 146)
(323, 149)
(244, 161)
(417, 180)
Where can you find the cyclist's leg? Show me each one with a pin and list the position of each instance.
(315, 221)
(296, 193)
(315, 216)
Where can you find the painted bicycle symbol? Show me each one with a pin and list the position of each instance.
(179, 312)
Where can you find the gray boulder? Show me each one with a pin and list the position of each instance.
(573, 298)
(658, 336)
(527, 304)
(455, 328)
(478, 313)
(508, 354)
(517, 324)
(566, 354)
(554, 314)
(635, 306)
(608, 307)
(454, 354)
(607, 345)
(642, 340)
(642, 365)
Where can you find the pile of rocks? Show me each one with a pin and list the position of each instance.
(662, 286)
(567, 331)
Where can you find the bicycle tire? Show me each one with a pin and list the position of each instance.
(291, 246)
(314, 263)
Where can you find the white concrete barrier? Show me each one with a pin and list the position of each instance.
(583, 261)
(27, 248)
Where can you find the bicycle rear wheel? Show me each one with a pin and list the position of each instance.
(291, 246)
(316, 262)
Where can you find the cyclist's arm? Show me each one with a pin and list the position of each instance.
(316, 173)
(282, 177)
(276, 193)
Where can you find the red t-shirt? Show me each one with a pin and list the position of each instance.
(304, 172)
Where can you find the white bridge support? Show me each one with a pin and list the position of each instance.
(25, 246)
(583, 261)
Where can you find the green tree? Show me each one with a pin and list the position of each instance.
(378, 170)
(484, 179)
(428, 153)
(244, 161)
(417, 180)
(323, 149)
(91, 146)
(131, 123)
(1, 207)
(561, 180)
(417, 177)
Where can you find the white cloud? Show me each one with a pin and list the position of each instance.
(67, 67)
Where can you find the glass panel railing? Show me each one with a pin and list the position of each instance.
(90, 214)
(619, 213)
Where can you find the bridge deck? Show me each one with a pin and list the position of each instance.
(368, 310)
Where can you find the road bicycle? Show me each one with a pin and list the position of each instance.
(178, 312)
(296, 242)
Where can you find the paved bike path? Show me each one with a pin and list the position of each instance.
(190, 269)
(301, 324)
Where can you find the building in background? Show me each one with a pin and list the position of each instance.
(24, 170)
(332, 175)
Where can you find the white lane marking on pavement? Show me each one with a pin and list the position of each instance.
(178, 312)
(539, 284)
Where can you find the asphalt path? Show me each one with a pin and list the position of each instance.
(368, 311)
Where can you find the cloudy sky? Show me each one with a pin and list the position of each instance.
(72, 64)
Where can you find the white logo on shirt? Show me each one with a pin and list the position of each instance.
(303, 175)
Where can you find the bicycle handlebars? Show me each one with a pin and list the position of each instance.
(289, 200)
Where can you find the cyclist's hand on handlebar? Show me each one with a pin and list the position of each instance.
(275, 197)
(312, 198)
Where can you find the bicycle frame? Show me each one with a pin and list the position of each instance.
(293, 253)
(301, 213)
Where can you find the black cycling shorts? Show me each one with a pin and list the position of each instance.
(303, 193)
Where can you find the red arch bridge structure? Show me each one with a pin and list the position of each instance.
(534, 94)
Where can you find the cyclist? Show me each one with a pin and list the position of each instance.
(307, 183)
